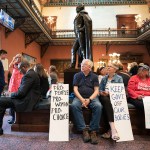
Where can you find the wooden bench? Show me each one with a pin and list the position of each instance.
(38, 120)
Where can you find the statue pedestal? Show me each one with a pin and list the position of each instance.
(68, 77)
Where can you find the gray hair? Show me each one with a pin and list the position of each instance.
(24, 63)
(90, 63)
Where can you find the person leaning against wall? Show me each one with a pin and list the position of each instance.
(111, 77)
(86, 86)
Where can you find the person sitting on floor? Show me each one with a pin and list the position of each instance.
(86, 87)
(138, 87)
(111, 77)
(27, 96)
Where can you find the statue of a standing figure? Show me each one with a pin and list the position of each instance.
(83, 33)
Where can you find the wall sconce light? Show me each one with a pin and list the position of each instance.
(114, 58)
(50, 20)
(101, 63)
(138, 20)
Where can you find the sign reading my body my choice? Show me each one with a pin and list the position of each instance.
(59, 113)
(121, 113)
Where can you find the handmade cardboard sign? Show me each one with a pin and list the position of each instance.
(121, 113)
(146, 102)
(59, 113)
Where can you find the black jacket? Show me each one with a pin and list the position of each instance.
(28, 94)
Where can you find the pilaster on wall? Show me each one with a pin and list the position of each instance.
(44, 49)
(107, 47)
(148, 3)
(148, 47)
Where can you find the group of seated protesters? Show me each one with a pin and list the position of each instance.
(89, 93)
(28, 85)
(94, 94)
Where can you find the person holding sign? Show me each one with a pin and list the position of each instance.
(139, 86)
(86, 87)
(111, 77)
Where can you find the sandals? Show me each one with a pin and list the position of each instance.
(115, 136)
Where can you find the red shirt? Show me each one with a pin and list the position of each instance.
(137, 87)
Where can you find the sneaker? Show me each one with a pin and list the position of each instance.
(94, 139)
(86, 136)
(1, 131)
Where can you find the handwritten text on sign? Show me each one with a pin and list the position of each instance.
(121, 113)
(117, 96)
(59, 113)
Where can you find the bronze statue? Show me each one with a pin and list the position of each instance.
(83, 33)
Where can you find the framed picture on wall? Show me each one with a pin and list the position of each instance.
(61, 64)
(30, 59)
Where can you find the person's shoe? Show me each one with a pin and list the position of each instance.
(86, 136)
(106, 135)
(12, 121)
(1, 131)
(94, 138)
(114, 135)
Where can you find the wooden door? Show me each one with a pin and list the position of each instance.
(128, 20)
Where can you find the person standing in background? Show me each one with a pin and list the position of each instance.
(16, 76)
(15, 81)
(53, 74)
(52, 78)
(3, 55)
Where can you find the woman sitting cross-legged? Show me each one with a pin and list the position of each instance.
(111, 77)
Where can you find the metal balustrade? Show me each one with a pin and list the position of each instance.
(101, 33)
(32, 5)
(93, 2)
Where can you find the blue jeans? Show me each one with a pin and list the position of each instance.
(96, 108)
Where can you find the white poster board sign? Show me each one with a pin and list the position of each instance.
(121, 112)
(146, 102)
(59, 113)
